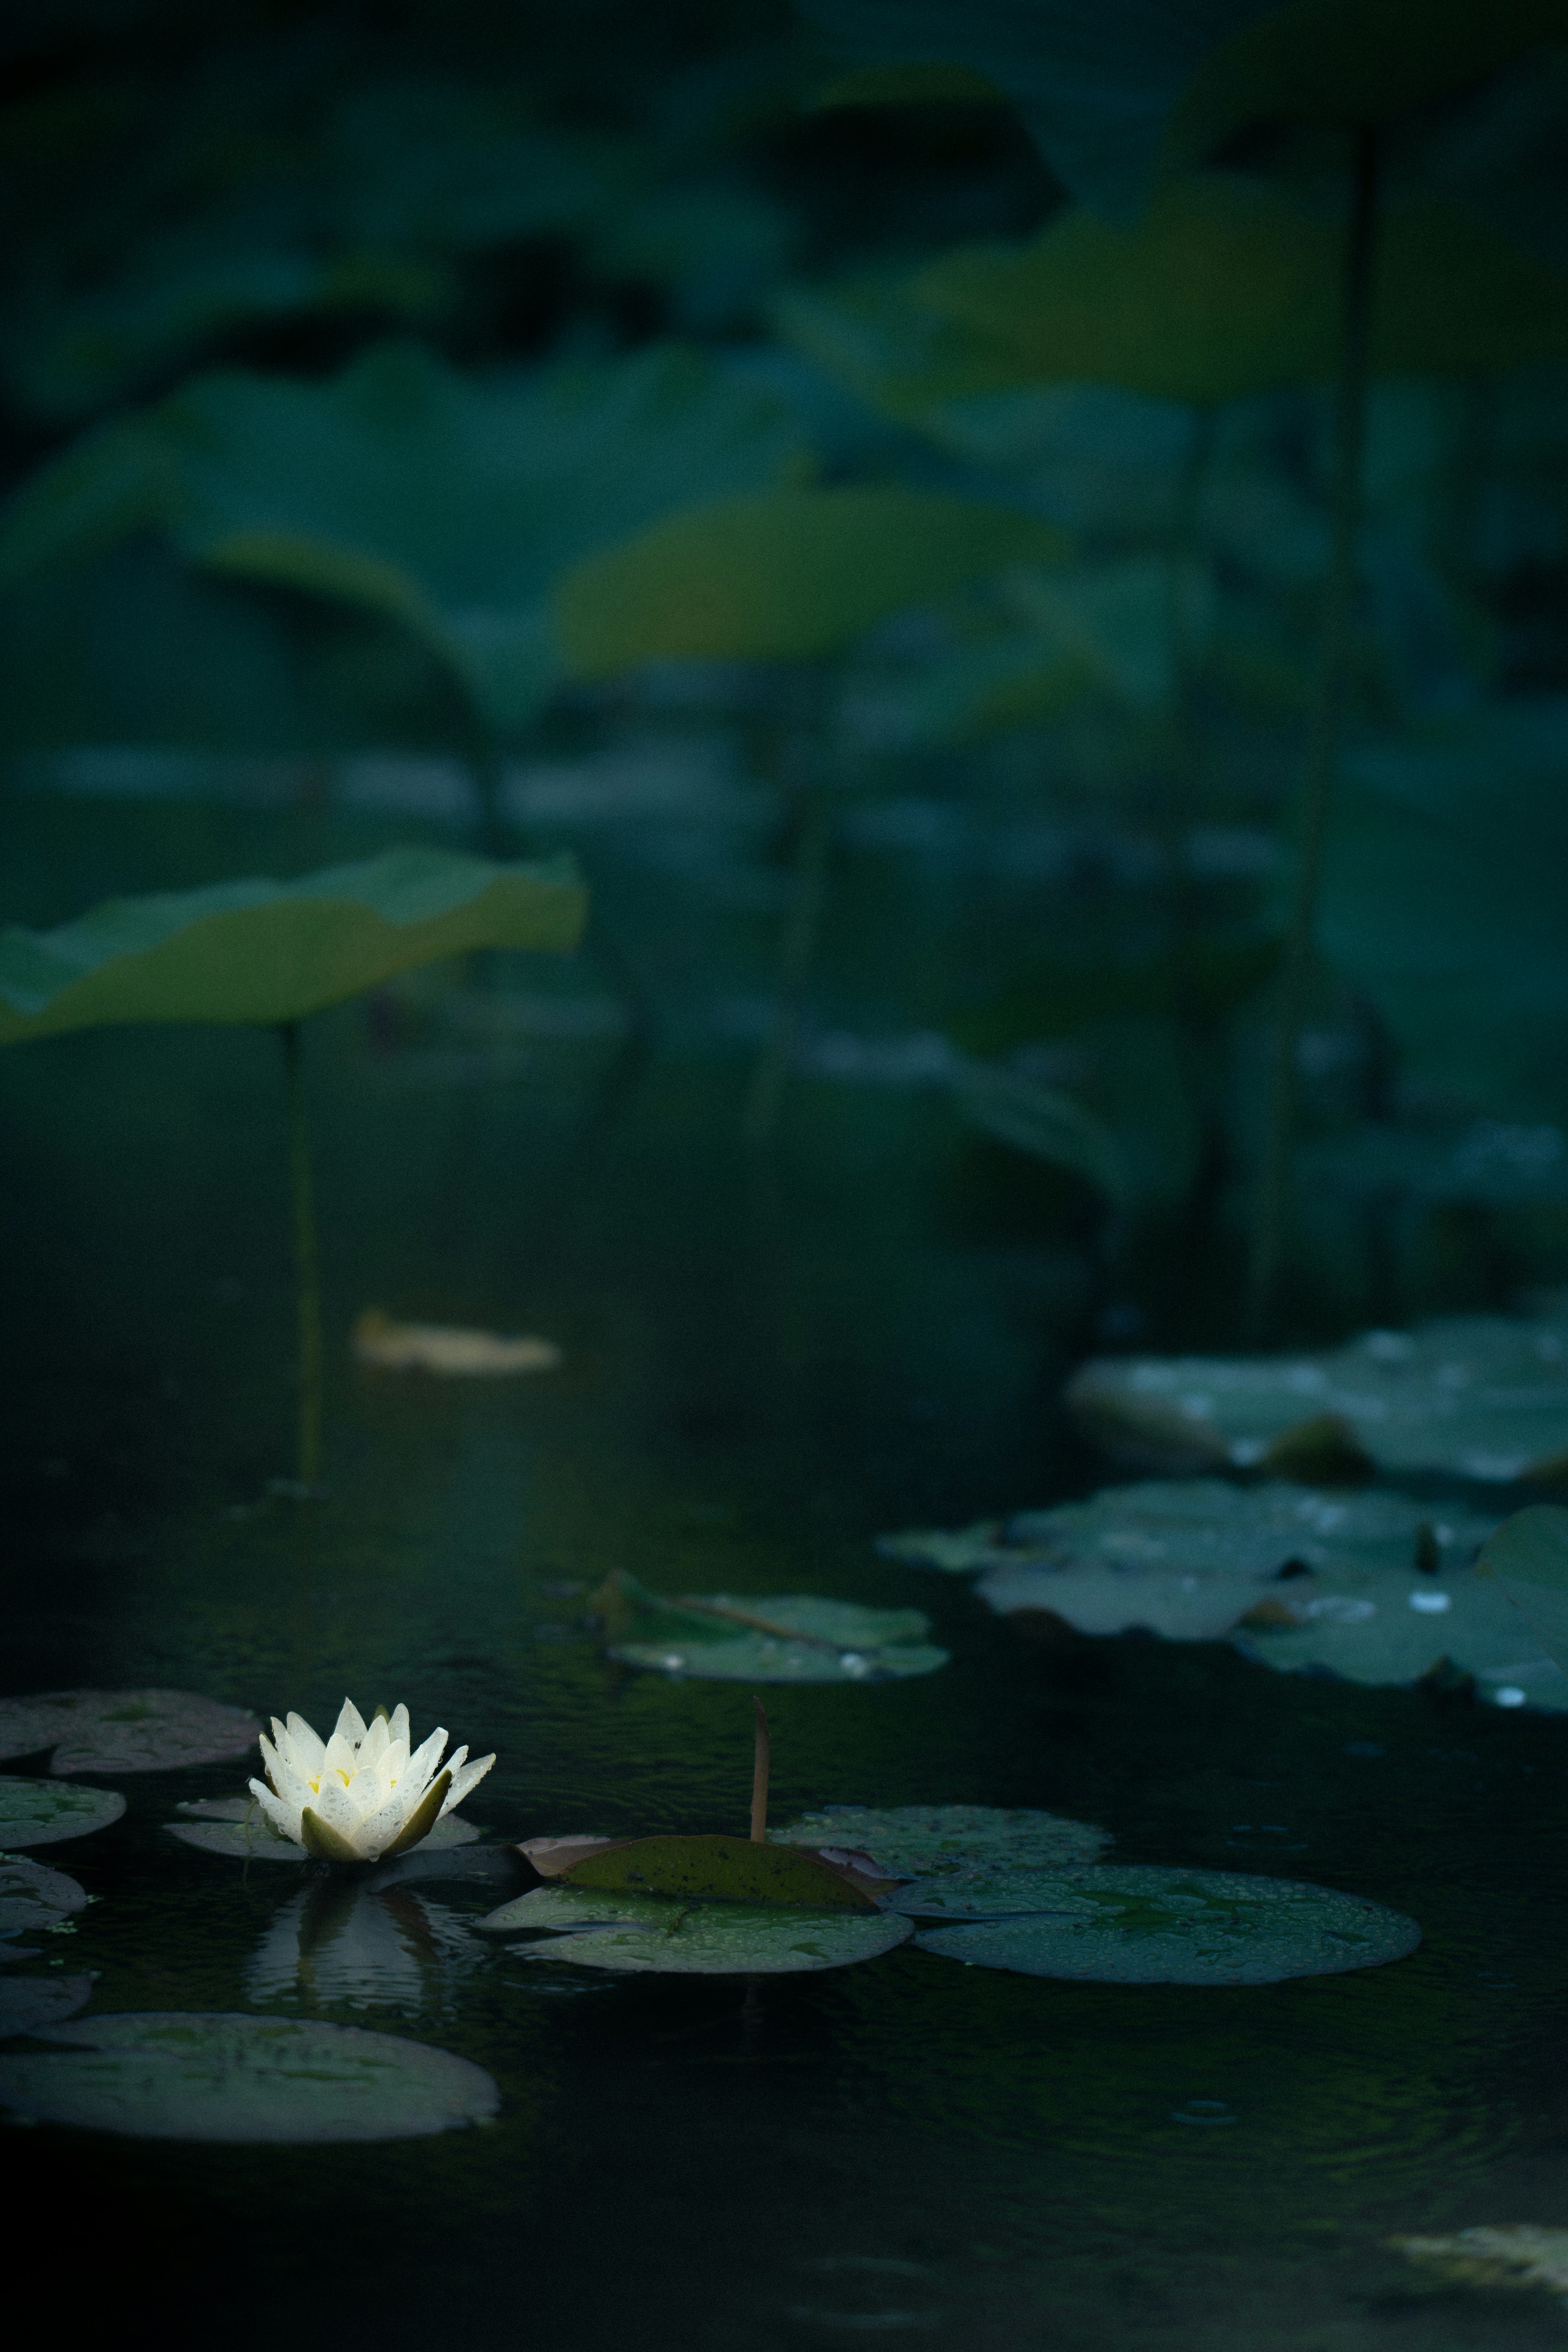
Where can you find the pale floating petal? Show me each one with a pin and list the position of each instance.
(446, 1349)
(306, 1748)
(350, 1725)
(285, 1819)
(469, 1778)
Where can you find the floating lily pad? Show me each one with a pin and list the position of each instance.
(1484, 1396)
(1139, 1924)
(791, 1637)
(1185, 1560)
(28, 2002)
(124, 1731)
(650, 1936)
(42, 1812)
(932, 1842)
(168, 2075)
(1388, 1625)
(237, 1826)
(1527, 1557)
(727, 1870)
(33, 1897)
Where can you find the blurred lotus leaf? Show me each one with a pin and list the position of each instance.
(239, 2080)
(274, 951)
(42, 1812)
(404, 488)
(654, 1936)
(1121, 1923)
(33, 1897)
(1482, 1396)
(1528, 1557)
(443, 1349)
(1188, 1560)
(789, 1637)
(124, 1731)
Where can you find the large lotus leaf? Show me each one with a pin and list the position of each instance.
(1107, 92)
(1390, 1626)
(42, 1812)
(1527, 1556)
(1188, 1559)
(949, 1845)
(237, 1826)
(406, 489)
(789, 1637)
(234, 2079)
(708, 1869)
(29, 2003)
(783, 576)
(126, 1731)
(32, 1896)
(1225, 287)
(1440, 901)
(1484, 1396)
(259, 951)
(674, 1938)
(1119, 1923)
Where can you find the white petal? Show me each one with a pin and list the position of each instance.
(469, 1777)
(341, 1756)
(350, 1725)
(395, 1762)
(424, 1764)
(378, 1830)
(285, 1819)
(290, 1786)
(306, 1748)
(335, 1807)
(400, 1725)
(456, 1761)
(375, 1739)
(365, 1793)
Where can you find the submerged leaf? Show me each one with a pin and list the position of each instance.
(42, 1812)
(235, 2079)
(33, 1897)
(273, 952)
(446, 1350)
(126, 1731)
(1484, 1396)
(1139, 1924)
(726, 1870)
(649, 1936)
(926, 1842)
(791, 1637)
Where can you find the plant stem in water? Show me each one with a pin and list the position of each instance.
(760, 1774)
(307, 1264)
(1326, 728)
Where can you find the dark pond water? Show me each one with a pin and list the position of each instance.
(764, 1367)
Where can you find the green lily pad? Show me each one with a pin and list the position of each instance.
(237, 1826)
(649, 1936)
(33, 1897)
(723, 1869)
(233, 2079)
(931, 1842)
(1187, 1560)
(274, 951)
(124, 1731)
(42, 1812)
(1528, 1557)
(1482, 1396)
(1390, 1626)
(27, 2003)
(1139, 1924)
(791, 1637)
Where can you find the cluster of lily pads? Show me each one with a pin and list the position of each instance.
(1367, 1581)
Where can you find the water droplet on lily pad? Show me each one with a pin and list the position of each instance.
(1143, 1923)
(126, 1731)
(32, 1896)
(43, 1813)
(237, 2079)
(652, 1935)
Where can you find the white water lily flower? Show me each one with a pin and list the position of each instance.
(360, 1795)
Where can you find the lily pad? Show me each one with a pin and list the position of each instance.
(233, 2079)
(1142, 1924)
(1528, 1557)
(274, 951)
(1482, 1396)
(930, 1841)
(653, 1937)
(791, 1637)
(237, 1826)
(43, 1813)
(33, 1897)
(126, 1731)
(1187, 1560)
(727, 1870)
(26, 2003)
